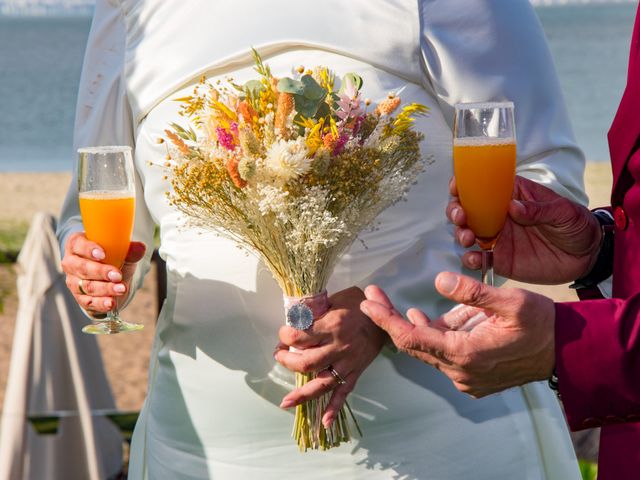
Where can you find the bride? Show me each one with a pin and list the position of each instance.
(213, 403)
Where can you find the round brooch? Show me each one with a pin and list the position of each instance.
(299, 316)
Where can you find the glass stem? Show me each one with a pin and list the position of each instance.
(113, 318)
(487, 266)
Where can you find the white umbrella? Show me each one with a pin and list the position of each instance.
(55, 371)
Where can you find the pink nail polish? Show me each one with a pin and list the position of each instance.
(97, 254)
(114, 276)
(120, 288)
(286, 404)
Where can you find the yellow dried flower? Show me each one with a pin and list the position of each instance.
(405, 119)
(314, 137)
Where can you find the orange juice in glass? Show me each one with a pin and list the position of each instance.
(108, 220)
(484, 166)
(106, 191)
(485, 172)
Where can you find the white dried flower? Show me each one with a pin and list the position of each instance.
(272, 200)
(288, 159)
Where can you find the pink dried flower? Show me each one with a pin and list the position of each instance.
(225, 138)
(335, 145)
(349, 103)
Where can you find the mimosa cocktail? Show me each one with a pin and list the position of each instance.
(106, 193)
(484, 165)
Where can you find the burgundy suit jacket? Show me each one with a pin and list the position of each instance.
(598, 341)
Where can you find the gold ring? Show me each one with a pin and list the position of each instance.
(81, 288)
(336, 375)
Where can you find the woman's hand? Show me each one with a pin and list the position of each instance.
(546, 237)
(343, 339)
(95, 285)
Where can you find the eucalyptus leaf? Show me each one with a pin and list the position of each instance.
(323, 110)
(253, 87)
(297, 121)
(312, 90)
(289, 85)
(355, 79)
(306, 106)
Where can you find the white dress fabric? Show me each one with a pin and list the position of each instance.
(214, 389)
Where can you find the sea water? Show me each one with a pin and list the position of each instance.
(41, 59)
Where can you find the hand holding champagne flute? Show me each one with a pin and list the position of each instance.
(484, 164)
(107, 205)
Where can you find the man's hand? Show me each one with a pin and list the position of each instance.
(513, 346)
(343, 338)
(97, 286)
(546, 237)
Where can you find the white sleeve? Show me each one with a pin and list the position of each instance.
(482, 50)
(103, 117)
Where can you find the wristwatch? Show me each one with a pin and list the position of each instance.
(553, 383)
(603, 268)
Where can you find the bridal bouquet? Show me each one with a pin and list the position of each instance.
(293, 169)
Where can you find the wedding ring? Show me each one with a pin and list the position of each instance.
(336, 375)
(81, 288)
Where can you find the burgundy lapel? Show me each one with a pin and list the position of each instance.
(625, 130)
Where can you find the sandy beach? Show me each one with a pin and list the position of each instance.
(126, 356)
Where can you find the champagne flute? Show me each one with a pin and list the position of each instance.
(484, 165)
(106, 186)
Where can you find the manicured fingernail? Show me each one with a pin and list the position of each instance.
(120, 288)
(454, 213)
(446, 282)
(286, 404)
(114, 276)
(108, 303)
(97, 254)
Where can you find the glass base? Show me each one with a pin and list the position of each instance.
(109, 327)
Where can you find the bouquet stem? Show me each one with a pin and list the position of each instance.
(308, 430)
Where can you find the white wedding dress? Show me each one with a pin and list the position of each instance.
(212, 405)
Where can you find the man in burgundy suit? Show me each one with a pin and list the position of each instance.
(590, 350)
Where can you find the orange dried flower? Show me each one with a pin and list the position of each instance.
(330, 142)
(178, 142)
(236, 178)
(387, 106)
(247, 112)
(284, 108)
